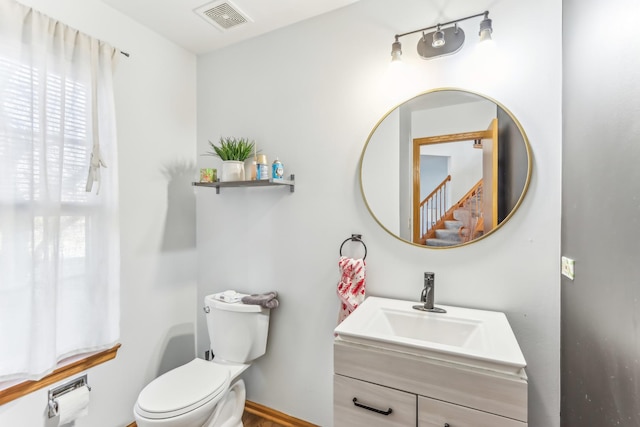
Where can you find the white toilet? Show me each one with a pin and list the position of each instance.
(206, 393)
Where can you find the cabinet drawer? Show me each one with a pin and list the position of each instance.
(436, 413)
(347, 414)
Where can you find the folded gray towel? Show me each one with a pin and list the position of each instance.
(266, 300)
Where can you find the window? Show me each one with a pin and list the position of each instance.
(59, 249)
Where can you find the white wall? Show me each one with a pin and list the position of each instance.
(310, 94)
(155, 102)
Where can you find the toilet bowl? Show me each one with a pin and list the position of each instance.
(208, 393)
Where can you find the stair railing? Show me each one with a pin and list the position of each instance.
(472, 204)
(474, 193)
(433, 207)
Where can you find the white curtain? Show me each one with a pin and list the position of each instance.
(59, 247)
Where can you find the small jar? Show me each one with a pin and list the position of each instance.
(262, 167)
(250, 169)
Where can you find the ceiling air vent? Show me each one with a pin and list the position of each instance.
(222, 14)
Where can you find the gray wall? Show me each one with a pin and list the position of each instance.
(600, 347)
(433, 170)
(512, 158)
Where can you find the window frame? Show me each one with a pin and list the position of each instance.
(63, 371)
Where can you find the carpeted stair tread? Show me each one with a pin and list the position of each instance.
(463, 214)
(452, 225)
(450, 235)
(441, 242)
(460, 215)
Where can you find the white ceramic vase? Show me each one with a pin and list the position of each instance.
(232, 170)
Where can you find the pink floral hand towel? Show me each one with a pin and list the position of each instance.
(351, 286)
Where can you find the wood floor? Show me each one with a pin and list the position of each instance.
(256, 415)
(251, 420)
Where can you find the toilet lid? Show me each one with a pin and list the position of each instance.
(183, 389)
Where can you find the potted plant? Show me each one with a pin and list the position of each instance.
(233, 152)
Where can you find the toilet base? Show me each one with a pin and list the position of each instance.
(229, 410)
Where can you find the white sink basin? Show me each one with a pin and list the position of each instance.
(462, 335)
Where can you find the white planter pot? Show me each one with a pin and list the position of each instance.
(232, 170)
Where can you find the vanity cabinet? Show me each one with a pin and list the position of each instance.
(402, 389)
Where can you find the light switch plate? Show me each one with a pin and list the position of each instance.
(568, 267)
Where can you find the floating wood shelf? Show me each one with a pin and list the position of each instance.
(256, 183)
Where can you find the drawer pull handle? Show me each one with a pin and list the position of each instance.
(378, 411)
(446, 425)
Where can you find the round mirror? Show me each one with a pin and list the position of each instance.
(445, 168)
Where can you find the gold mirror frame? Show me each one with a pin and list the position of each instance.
(528, 150)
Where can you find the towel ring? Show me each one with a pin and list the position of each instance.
(355, 238)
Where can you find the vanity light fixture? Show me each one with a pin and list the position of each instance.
(447, 38)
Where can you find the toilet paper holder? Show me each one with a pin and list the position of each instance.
(64, 389)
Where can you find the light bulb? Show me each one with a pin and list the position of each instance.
(396, 51)
(438, 38)
(485, 29)
(485, 35)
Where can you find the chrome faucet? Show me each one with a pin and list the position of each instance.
(427, 295)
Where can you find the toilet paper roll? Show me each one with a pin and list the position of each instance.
(73, 405)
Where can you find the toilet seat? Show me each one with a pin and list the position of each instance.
(183, 389)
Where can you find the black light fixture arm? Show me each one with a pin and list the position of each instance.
(433, 27)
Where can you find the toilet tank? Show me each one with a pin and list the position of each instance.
(237, 332)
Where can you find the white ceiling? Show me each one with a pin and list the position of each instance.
(176, 20)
